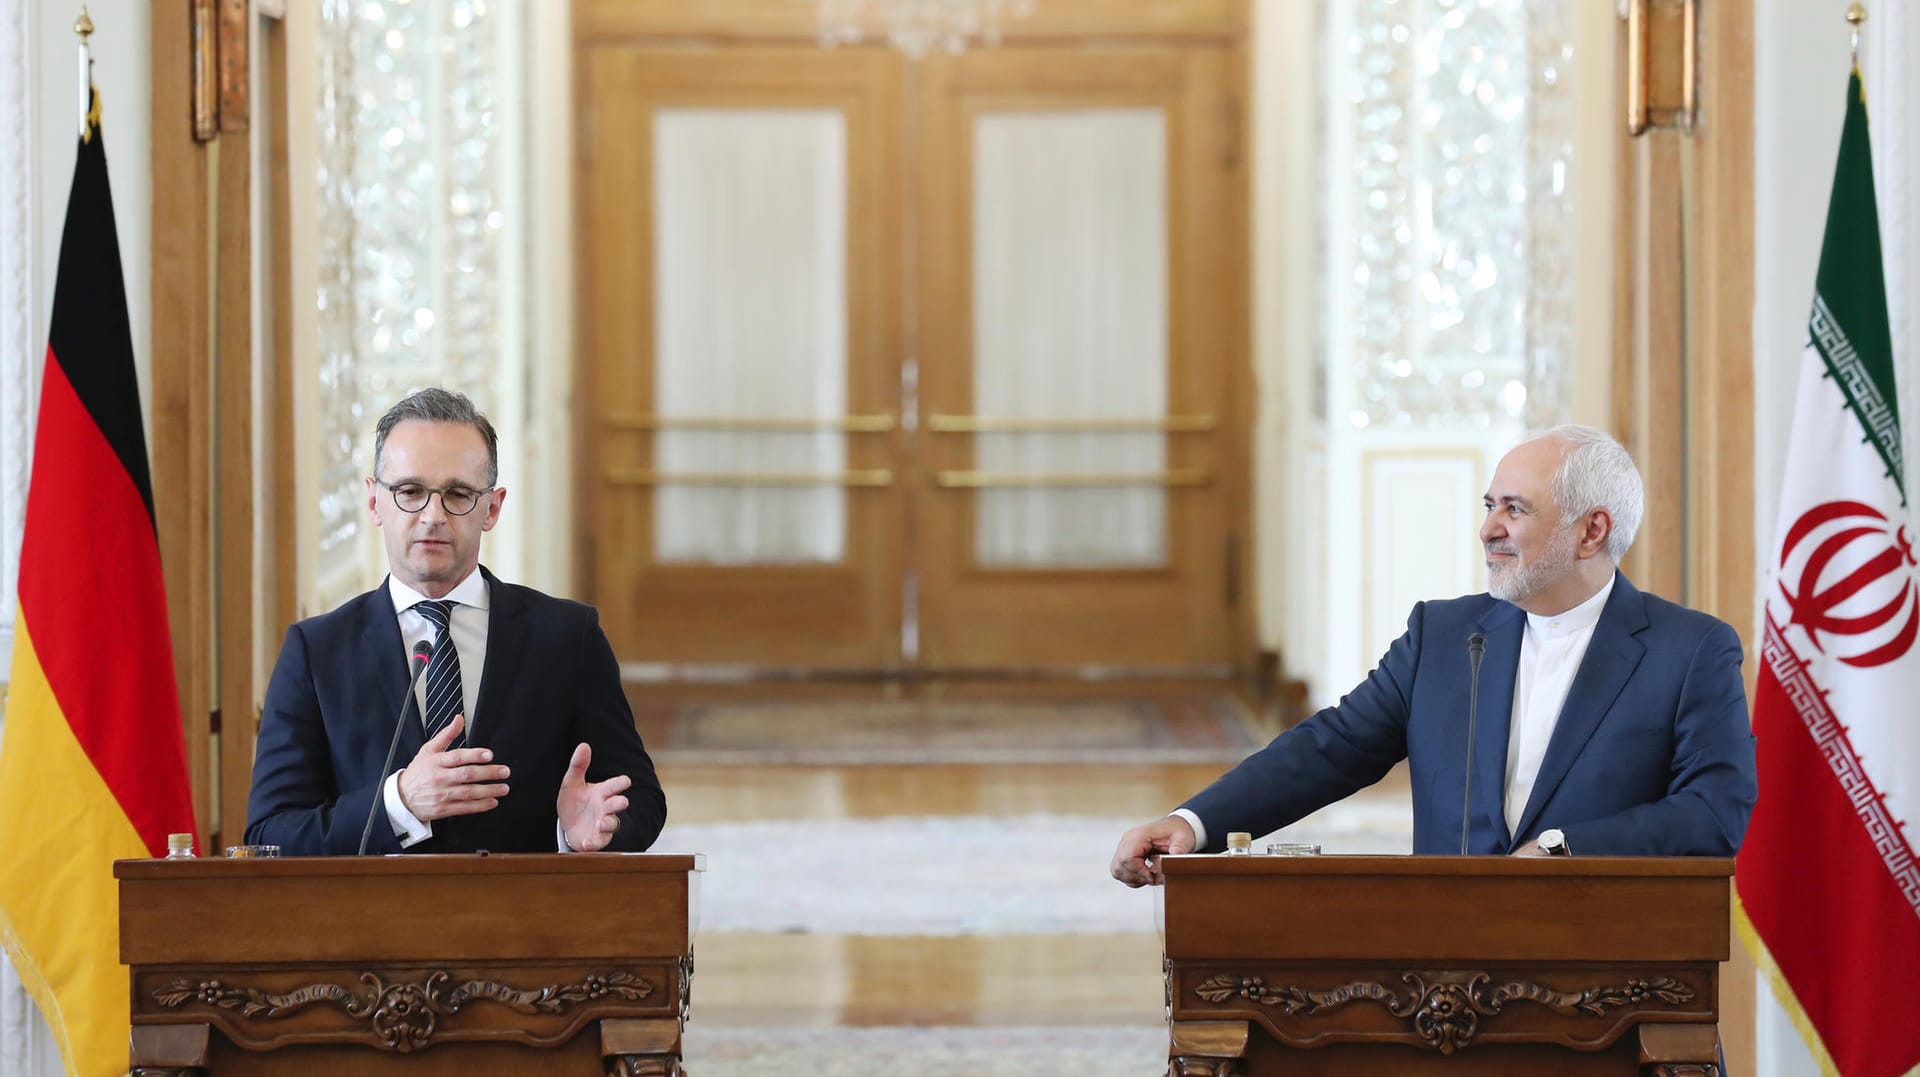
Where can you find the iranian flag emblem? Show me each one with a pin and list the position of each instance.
(1829, 887)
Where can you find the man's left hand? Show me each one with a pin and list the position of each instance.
(590, 811)
(1527, 848)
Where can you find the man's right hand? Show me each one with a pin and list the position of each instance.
(440, 783)
(1136, 861)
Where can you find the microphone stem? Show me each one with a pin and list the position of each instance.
(393, 748)
(1476, 649)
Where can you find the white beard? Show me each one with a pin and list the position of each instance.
(1517, 580)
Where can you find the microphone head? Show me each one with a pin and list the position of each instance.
(1477, 644)
(422, 651)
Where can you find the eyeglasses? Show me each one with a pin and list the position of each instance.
(413, 497)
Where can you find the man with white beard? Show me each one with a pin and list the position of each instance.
(1602, 720)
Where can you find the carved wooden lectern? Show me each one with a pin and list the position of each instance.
(1444, 965)
(427, 964)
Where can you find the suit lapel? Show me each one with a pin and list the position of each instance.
(1612, 656)
(1503, 626)
(386, 655)
(506, 646)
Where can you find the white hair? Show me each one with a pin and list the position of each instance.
(1599, 474)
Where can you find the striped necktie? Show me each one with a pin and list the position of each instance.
(444, 697)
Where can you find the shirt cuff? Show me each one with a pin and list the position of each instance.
(409, 830)
(560, 838)
(1199, 828)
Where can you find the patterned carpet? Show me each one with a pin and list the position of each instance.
(1194, 729)
(931, 875)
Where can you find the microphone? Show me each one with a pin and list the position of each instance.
(422, 655)
(1476, 650)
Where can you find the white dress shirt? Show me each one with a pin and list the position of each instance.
(467, 628)
(1550, 654)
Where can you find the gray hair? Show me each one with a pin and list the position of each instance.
(436, 405)
(1599, 474)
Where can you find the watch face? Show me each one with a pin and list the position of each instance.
(1553, 841)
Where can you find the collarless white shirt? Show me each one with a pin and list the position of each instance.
(467, 628)
(1551, 649)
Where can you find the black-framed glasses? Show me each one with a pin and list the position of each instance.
(413, 496)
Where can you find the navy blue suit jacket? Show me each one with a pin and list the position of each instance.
(550, 682)
(1652, 754)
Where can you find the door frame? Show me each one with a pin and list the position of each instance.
(1057, 23)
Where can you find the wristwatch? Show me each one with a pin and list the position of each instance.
(1553, 843)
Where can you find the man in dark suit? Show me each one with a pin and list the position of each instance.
(519, 737)
(1610, 721)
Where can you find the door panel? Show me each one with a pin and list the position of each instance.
(741, 313)
(1081, 234)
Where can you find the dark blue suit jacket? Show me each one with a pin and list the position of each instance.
(1652, 755)
(550, 682)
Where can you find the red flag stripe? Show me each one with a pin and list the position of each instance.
(90, 585)
(1826, 877)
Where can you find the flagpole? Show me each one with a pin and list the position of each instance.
(84, 27)
(1856, 14)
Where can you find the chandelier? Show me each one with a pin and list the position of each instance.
(917, 27)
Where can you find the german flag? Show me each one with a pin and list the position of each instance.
(93, 767)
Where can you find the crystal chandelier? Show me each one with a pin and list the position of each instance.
(917, 27)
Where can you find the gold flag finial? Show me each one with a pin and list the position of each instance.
(89, 101)
(1856, 14)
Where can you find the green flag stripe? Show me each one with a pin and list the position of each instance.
(1878, 414)
(1848, 324)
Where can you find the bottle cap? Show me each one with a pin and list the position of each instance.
(1239, 842)
(179, 843)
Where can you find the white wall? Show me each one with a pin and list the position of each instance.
(120, 69)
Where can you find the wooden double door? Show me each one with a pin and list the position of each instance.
(894, 364)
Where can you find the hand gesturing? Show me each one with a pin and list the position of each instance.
(590, 811)
(440, 783)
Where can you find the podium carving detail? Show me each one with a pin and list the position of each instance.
(405, 1014)
(1445, 1008)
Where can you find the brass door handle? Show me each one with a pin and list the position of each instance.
(631, 476)
(765, 424)
(1007, 424)
(975, 480)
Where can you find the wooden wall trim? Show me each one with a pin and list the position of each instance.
(1684, 378)
(283, 566)
(232, 539)
(739, 21)
(202, 355)
(1720, 454)
(182, 343)
(1721, 568)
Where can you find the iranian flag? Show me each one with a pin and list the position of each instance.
(1828, 884)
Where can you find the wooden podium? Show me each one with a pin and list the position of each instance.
(427, 964)
(1444, 965)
